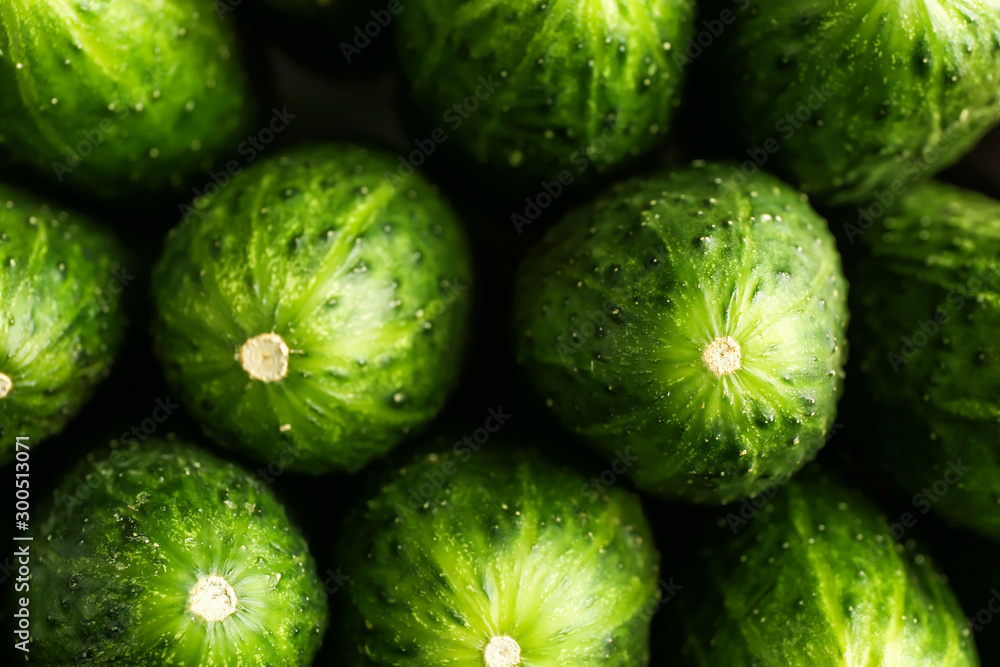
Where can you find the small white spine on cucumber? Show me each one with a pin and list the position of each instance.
(212, 598)
(503, 651)
(265, 357)
(723, 356)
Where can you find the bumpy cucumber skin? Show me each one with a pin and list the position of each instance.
(814, 580)
(367, 285)
(130, 532)
(910, 87)
(616, 305)
(61, 321)
(460, 546)
(562, 74)
(934, 278)
(127, 96)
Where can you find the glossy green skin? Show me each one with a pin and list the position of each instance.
(911, 86)
(814, 580)
(61, 320)
(564, 73)
(367, 285)
(114, 98)
(131, 531)
(937, 263)
(503, 543)
(616, 306)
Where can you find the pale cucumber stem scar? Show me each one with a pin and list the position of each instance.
(265, 357)
(723, 356)
(6, 384)
(212, 598)
(502, 651)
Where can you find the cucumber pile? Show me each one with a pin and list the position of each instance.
(500, 334)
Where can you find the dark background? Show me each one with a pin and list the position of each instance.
(301, 67)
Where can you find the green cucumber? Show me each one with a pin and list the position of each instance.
(163, 554)
(848, 98)
(61, 321)
(815, 580)
(538, 87)
(698, 323)
(311, 314)
(114, 98)
(494, 557)
(928, 313)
